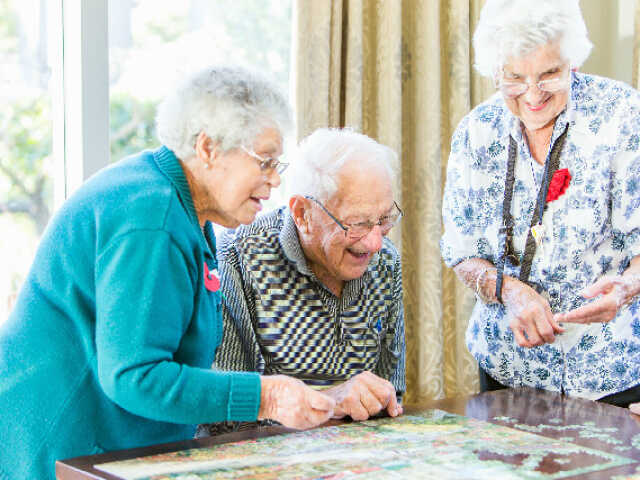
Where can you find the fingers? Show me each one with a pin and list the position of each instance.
(603, 285)
(394, 408)
(533, 327)
(532, 321)
(319, 401)
(316, 407)
(292, 403)
(365, 395)
(601, 310)
(366, 406)
(521, 339)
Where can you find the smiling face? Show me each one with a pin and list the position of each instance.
(364, 194)
(536, 108)
(230, 191)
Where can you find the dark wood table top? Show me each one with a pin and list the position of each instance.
(589, 424)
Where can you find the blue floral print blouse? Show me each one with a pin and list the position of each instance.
(592, 230)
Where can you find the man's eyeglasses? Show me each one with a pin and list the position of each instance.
(267, 164)
(355, 231)
(511, 89)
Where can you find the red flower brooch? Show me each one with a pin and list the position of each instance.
(559, 184)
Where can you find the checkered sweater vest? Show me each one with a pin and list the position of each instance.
(279, 319)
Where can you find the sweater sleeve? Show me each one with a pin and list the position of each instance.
(145, 295)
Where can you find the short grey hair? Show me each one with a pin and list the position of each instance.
(317, 161)
(231, 105)
(510, 29)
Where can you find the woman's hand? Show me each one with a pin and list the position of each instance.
(293, 404)
(532, 322)
(616, 291)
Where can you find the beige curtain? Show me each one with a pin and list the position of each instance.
(401, 72)
(635, 71)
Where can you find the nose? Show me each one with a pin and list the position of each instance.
(372, 241)
(533, 93)
(273, 178)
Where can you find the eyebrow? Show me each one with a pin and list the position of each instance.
(548, 70)
(386, 213)
(269, 149)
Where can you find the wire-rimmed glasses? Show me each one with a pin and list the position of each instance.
(355, 231)
(512, 89)
(267, 164)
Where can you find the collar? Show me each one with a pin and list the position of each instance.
(169, 164)
(290, 243)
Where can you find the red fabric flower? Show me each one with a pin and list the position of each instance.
(559, 184)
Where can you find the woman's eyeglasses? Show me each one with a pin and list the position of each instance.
(267, 164)
(512, 89)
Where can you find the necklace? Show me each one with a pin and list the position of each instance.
(537, 230)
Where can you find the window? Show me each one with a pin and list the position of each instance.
(153, 44)
(29, 45)
(53, 127)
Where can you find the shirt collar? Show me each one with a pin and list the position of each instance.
(290, 243)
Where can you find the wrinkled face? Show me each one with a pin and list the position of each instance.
(236, 185)
(537, 108)
(364, 194)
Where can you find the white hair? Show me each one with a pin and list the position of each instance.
(510, 29)
(230, 104)
(318, 159)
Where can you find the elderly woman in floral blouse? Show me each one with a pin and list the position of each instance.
(541, 210)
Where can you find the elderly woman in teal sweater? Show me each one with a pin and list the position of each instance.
(110, 343)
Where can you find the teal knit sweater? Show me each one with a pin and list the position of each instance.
(114, 332)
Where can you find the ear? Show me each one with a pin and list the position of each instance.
(206, 149)
(300, 211)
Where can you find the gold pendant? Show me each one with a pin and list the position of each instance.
(537, 231)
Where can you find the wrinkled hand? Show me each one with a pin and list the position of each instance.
(290, 402)
(364, 395)
(616, 291)
(635, 408)
(532, 321)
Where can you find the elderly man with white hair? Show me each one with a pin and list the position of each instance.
(541, 210)
(314, 290)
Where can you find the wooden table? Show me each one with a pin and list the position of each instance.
(506, 407)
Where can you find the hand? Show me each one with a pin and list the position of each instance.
(635, 408)
(532, 322)
(293, 404)
(364, 395)
(616, 291)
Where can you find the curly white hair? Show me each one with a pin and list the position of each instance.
(510, 29)
(231, 105)
(318, 159)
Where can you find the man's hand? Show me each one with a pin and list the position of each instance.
(635, 408)
(292, 403)
(531, 321)
(364, 395)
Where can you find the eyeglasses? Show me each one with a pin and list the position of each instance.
(267, 164)
(551, 85)
(355, 231)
